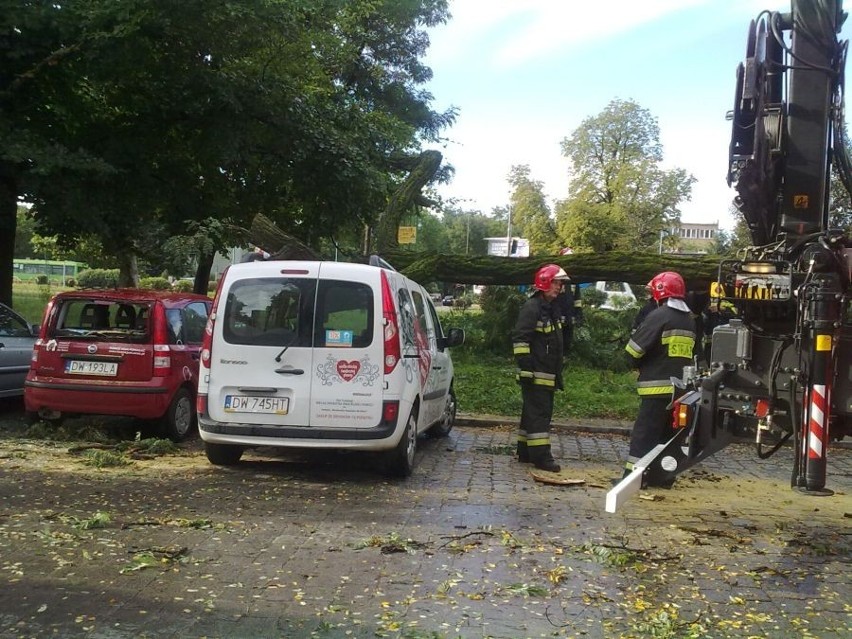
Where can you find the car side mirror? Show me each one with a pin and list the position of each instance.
(454, 337)
(34, 329)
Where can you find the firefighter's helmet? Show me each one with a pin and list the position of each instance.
(665, 285)
(547, 273)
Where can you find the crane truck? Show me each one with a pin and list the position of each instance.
(780, 369)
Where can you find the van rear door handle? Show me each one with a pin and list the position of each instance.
(290, 371)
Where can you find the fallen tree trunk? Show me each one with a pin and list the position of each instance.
(633, 268)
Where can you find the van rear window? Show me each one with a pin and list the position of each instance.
(299, 312)
(344, 317)
(269, 312)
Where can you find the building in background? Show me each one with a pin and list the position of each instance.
(695, 238)
(499, 246)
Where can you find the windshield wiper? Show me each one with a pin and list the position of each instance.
(288, 345)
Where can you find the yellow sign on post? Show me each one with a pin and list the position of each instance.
(407, 235)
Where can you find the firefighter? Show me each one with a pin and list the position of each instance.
(659, 347)
(538, 349)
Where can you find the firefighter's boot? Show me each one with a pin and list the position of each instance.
(542, 458)
(523, 453)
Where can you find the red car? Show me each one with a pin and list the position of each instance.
(123, 352)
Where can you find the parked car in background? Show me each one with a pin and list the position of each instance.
(448, 300)
(123, 352)
(17, 338)
(618, 294)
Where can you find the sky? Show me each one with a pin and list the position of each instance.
(525, 73)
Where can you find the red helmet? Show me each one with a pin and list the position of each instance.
(667, 284)
(547, 273)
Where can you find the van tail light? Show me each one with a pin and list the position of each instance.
(162, 350)
(207, 340)
(393, 351)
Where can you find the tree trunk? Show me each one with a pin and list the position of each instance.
(617, 266)
(8, 226)
(202, 273)
(633, 268)
(128, 270)
(265, 235)
(422, 169)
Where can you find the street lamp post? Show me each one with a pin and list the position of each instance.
(509, 234)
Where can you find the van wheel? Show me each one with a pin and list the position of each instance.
(179, 420)
(222, 454)
(401, 458)
(448, 419)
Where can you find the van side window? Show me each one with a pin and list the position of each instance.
(423, 320)
(344, 315)
(439, 331)
(270, 311)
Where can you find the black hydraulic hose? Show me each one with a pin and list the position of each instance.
(774, 449)
(797, 432)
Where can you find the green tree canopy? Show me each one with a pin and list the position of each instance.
(531, 217)
(621, 198)
(158, 115)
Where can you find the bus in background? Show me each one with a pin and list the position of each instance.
(56, 271)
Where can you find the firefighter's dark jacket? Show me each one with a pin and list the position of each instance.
(660, 347)
(537, 344)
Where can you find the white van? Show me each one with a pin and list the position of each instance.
(324, 355)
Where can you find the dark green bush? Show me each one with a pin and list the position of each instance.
(42, 280)
(70, 281)
(600, 337)
(98, 278)
(155, 283)
(183, 286)
(592, 297)
(500, 306)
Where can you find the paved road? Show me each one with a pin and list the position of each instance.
(299, 546)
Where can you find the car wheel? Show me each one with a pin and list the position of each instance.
(448, 419)
(179, 420)
(401, 458)
(53, 418)
(222, 454)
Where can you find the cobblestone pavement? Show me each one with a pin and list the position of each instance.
(300, 545)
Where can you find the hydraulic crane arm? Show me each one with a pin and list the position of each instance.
(779, 369)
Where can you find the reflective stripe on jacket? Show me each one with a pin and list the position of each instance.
(661, 346)
(537, 344)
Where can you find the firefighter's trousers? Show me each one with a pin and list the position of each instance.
(534, 427)
(652, 427)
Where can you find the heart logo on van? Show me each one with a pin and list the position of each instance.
(348, 370)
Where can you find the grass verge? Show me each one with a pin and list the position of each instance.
(486, 385)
